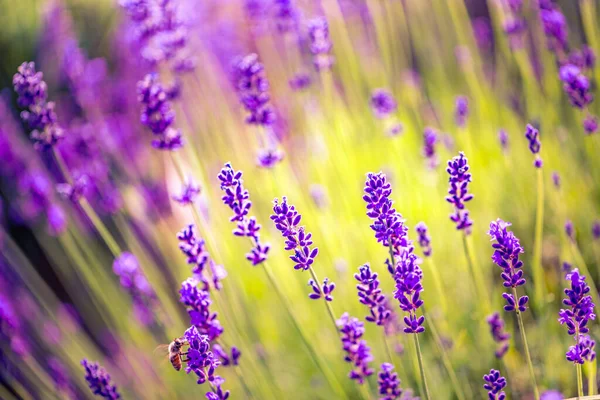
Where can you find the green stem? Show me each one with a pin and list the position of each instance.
(421, 368)
(313, 354)
(387, 346)
(526, 346)
(538, 273)
(438, 283)
(327, 303)
(579, 381)
(479, 281)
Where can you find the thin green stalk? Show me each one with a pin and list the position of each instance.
(526, 346)
(479, 281)
(579, 381)
(437, 281)
(538, 273)
(387, 347)
(421, 368)
(313, 354)
(327, 303)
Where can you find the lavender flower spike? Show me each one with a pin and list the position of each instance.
(189, 193)
(99, 381)
(424, 239)
(458, 195)
(287, 221)
(198, 307)
(596, 230)
(383, 103)
(494, 383)
(324, 291)
(320, 43)
(461, 111)
(503, 138)
(253, 90)
(388, 383)
(498, 334)
(570, 230)
(357, 351)
(408, 276)
(201, 361)
(430, 139)
(370, 294)
(535, 145)
(506, 255)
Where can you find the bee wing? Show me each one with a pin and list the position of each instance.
(161, 352)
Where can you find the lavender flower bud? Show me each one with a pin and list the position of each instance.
(253, 90)
(357, 351)
(225, 358)
(532, 135)
(300, 81)
(370, 294)
(286, 15)
(388, 383)
(201, 361)
(424, 239)
(596, 230)
(503, 138)
(576, 85)
(320, 43)
(461, 111)
(458, 195)
(408, 291)
(552, 395)
(324, 291)
(570, 230)
(554, 24)
(383, 103)
(189, 193)
(556, 179)
(430, 140)
(99, 381)
(590, 124)
(499, 335)
(494, 385)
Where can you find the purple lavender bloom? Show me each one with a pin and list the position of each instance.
(503, 138)
(198, 307)
(157, 113)
(499, 335)
(590, 124)
(567, 267)
(461, 111)
(134, 281)
(269, 157)
(483, 33)
(99, 381)
(494, 385)
(596, 230)
(237, 198)
(320, 43)
(552, 395)
(430, 139)
(201, 360)
(286, 15)
(370, 294)
(194, 248)
(189, 193)
(287, 221)
(39, 116)
(227, 359)
(533, 136)
(555, 29)
(300, 81)
(556, 179)
(252, 86)
(577, 316)
(424, 239)
(323, 291)
(75, 191)
(60, 375)
(570, 230)
(218, 393)
(458, 195)
(357, 351)
(408, 276)
(506, 255)
(388, 383)
(383, 103)
(576, 85)
(584, 58)
(388, 224)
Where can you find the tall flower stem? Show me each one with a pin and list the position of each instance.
(437, 280)
(421, 368)
(526, 346)
(335, 385)
(480, 284)
(327, 303)
(538, 273)
(579, 381)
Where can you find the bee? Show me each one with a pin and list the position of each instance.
(176, 356)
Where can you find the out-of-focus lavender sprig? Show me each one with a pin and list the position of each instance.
(324, 291)
(40, 116)
(383, 103)
(596, 230)
(287, 221)
(570, 230)
(237, 198)
(500, 336)
(576, 317)
(252, 86)
(358, 353)
(286, 15)
(99, 381)
(533, 136)
(198, 306)
(320, 43)
(503, 139)
(461, 111)
(194, 248)
(189, 194)
(424, 239)
(370, 294)
(506, 255)
(554, 24)
(458, 195)
(133, 280)
(158, 114)
(576, 85)
(494, 383)
(515, 24)
(556, 179)
(430, 139)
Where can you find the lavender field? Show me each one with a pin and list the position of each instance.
(299, 199)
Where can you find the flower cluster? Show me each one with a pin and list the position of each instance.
(576, 85)
(570, 229)
(237, 198)
(461, 111)
(198, 306)
(39, 116)
(596, 230)
(408, 276)
(370, 294)
(200, 360)
(458, 195)
(99, 381)
(226, 358)
(388, 224)
(324, 291)
(286, 15)
(287, 221)
(506, 255)
(320, 43)
(189, 193)
(533, 136)
(357, 351)
(157, 113)
(74, 192)
(494, 383)
(424, 239)
(252, 86)
(194, 248)
(383, 103)
(498, 334)
(515, 24)
(430, 139)
(577, 316)
(134, 281)
(388, 383)
(554, 24)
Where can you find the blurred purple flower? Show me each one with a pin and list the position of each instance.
(533, 136)
(383, 103)
(590, 124)
(357, 351)
(503, 138)
(596, 230)
(252, 87)
(458, 195)
(388, 383)
(189, 193)
(99, 381)
(499, 335)
(430, 139)
(556, 179)
(461, 111)
(320, 43)
(300, 81)
(424, 239)
(576, 85)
